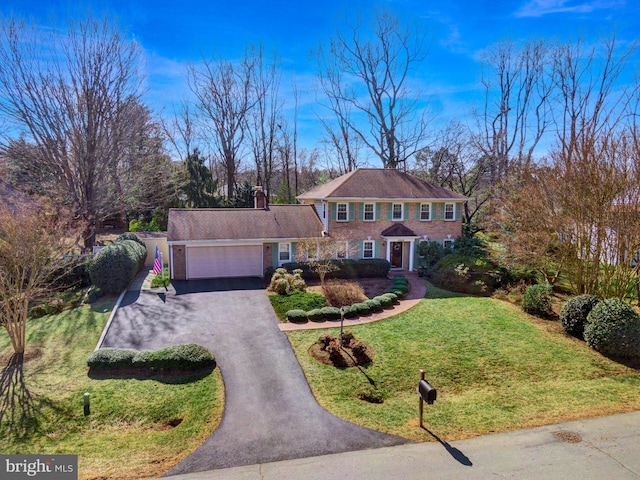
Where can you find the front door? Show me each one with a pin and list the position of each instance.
(396, 255)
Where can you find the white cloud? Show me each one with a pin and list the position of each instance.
(538, 8)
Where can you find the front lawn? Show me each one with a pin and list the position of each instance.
(495, 369)
(138, 428)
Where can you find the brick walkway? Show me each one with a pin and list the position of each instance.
(418, 290)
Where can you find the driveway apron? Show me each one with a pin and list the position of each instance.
(270, 413)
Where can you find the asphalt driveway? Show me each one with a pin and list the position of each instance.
(270, 413)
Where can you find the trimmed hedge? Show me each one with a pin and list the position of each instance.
(111, 358)
(385, 301)
(613, 328)
(185, 357)
(297, 316)
(574, 313)
(391, 296)
(331, 313)
(363, 268)
(315, 315)
(114, 267)
(374, 305)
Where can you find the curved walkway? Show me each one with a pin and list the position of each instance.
(417, 293)
(270, 413)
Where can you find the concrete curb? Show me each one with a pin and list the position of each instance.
(105, 330)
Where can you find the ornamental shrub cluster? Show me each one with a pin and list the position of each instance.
(185, 357)
(537, 300)
(114, 267)
(283, 282)
(376, 304)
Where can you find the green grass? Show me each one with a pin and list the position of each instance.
(495, 369)
(157, 282)
(129, 433)
(296, 300)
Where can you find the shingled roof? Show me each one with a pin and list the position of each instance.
(276, 222)
(377, 183)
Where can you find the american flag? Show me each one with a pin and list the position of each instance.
(157, 266)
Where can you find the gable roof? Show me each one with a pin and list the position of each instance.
(276, 222)
(379, 183)
(398, 230)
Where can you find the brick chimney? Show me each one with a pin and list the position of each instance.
(259, 198)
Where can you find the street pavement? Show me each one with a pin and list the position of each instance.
(597, 449)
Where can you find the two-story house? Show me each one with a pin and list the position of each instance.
(369, 213)
(384, 213)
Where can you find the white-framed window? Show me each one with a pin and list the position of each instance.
(369, 213)
(396, 211)
(312, 251)
(449, 211)
(367, 249)
(342, 212)
(448, 244)
(284, 252)
(341, 250)
(425, 212)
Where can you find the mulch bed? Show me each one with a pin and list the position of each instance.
(346, 358)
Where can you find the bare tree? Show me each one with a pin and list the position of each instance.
(582, 208)
(30, 245)
(265, 120)
(226, 95)
(515, 114)
(69, 93)
(454, 162)
(366, 82)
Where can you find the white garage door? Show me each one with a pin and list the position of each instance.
(212, 262)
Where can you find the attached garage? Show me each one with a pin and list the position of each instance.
(224, 261)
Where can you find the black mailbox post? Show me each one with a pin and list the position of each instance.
(427, 394)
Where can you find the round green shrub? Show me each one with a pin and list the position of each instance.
(111, 358)
(385, 302)
(350, 311)
(537, 300)
(613, 328)
(315, 315)
(114, 267)
(374, 305)
(362, 308)
(331, 313)
(131, 236)
(297, 316)
(391, 296)
(575, 311)
(398, 293)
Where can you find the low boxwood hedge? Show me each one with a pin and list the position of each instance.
(331, 313)
(297, 316)
(185, 357)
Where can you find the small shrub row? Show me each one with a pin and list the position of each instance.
(376, 304)
(114, 267)
(400, 286)
(185, 357)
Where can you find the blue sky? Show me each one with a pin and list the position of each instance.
(173, 33)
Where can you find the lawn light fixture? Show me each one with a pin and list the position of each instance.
(86, 402)
(341, 323)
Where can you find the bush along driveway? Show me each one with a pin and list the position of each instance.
(270, 413)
